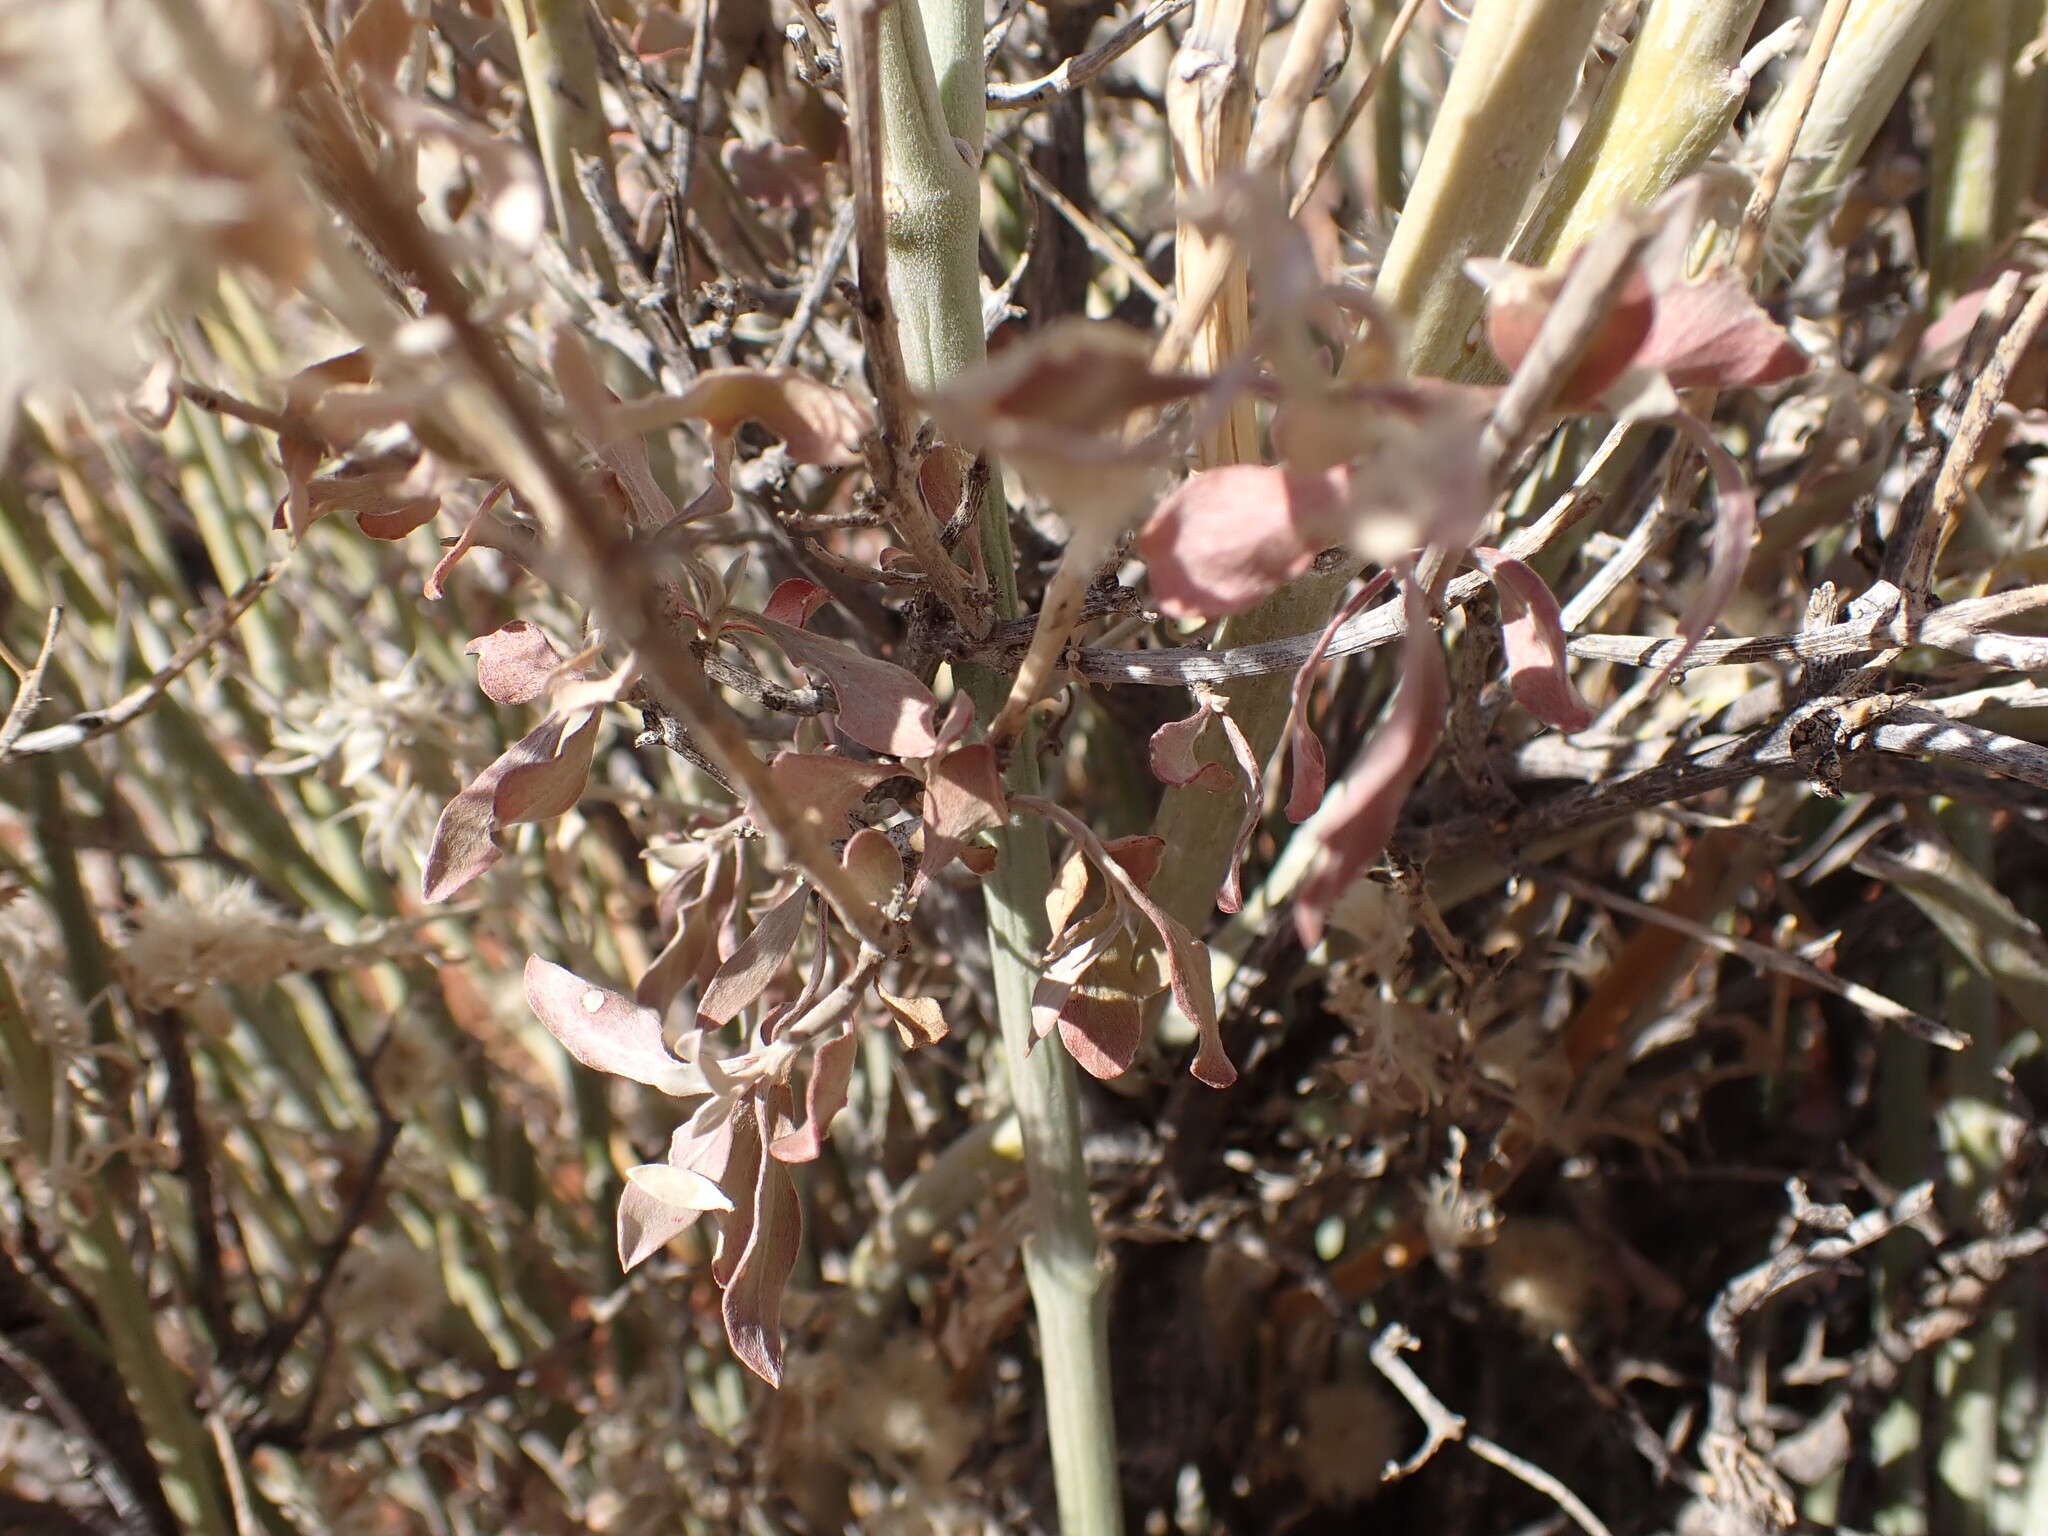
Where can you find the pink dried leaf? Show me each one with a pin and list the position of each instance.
(1532, 631)
(1187, 958)
(871, 859)
(1175, 760)
(1231, 897)
(827, 786)
(881, 706)
(824, 1096)
(1735, 525)
(538, 777)
(1363, 807)
(753, 1297)
(1519, 300)
(514, 662)
(605, 1031)
(703, 1146)
(741, 1179)
(774, 175)
(1308, 769)
(474, 532)
(750, 968)
(1102, 1028)
(817, 423)
(1227, 537)
(919, 1021)
(963, 796)
(1712, 334)
(691, 952)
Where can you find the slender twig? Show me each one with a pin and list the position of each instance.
(1390, 49)
(137, 702)
(1071, 74)
(1764, 956)
(28, 698)
(1756, 217)
(1442, 1427)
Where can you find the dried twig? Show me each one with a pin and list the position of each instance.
(1071, 74)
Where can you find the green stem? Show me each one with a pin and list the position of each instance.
(1670, 101)
(1871, 61)
(1972, 53)
(931, 95)
(559, 62)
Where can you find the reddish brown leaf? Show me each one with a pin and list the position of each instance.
(824, 1096)
(774, 175)
(1519, 300)
(1532, 631)
(474, 532)
(1175, 760)
(1365, 803)
(963, 796)
(686, 959)
(1734, 532)
(919, 1020)
(1712, 334)
(795, 600)
(1309, 772)
(514, 662)
(540, 776)
(1225, 538)
(881, 706)
(605, 1031)
(826, 785)
(753, 1297)
(747, 972)
(875, 865)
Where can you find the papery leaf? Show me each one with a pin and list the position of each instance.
(1227, 537)
(686, 959)
(1187, 958)
(817, 423)
(919, 1020)
(1139, 856)
(1101, 1027)
(753, 1297)
(680, 1189)
(750, 968)
(1075, 375)
(963, 796)
(1308, 770)
(474, 532)
(538, 777)
(701, 1146)
(1175, 761)
(605, 1031)
(825, 786)
(742, 1180)
(881, 706)
(824, 1096)
(1712, 334)
(1063, 897)
(1231, 897)
(1532, 631)
(592, 407)
(875, 865)
(1362, 808)
(774, 175)
(1735, 525)
(795, 600)
(514, 662)
(1519, 300)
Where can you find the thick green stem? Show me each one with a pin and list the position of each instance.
(1972, 53)
(559, 63)
(1869, 66)
(931, 101)
(1669, 103)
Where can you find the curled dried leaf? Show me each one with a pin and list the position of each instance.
(514, 662)
(1361, 811)
(1532, 631)
(881, 706)
(538, 777)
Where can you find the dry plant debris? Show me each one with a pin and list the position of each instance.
(1447, 602)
